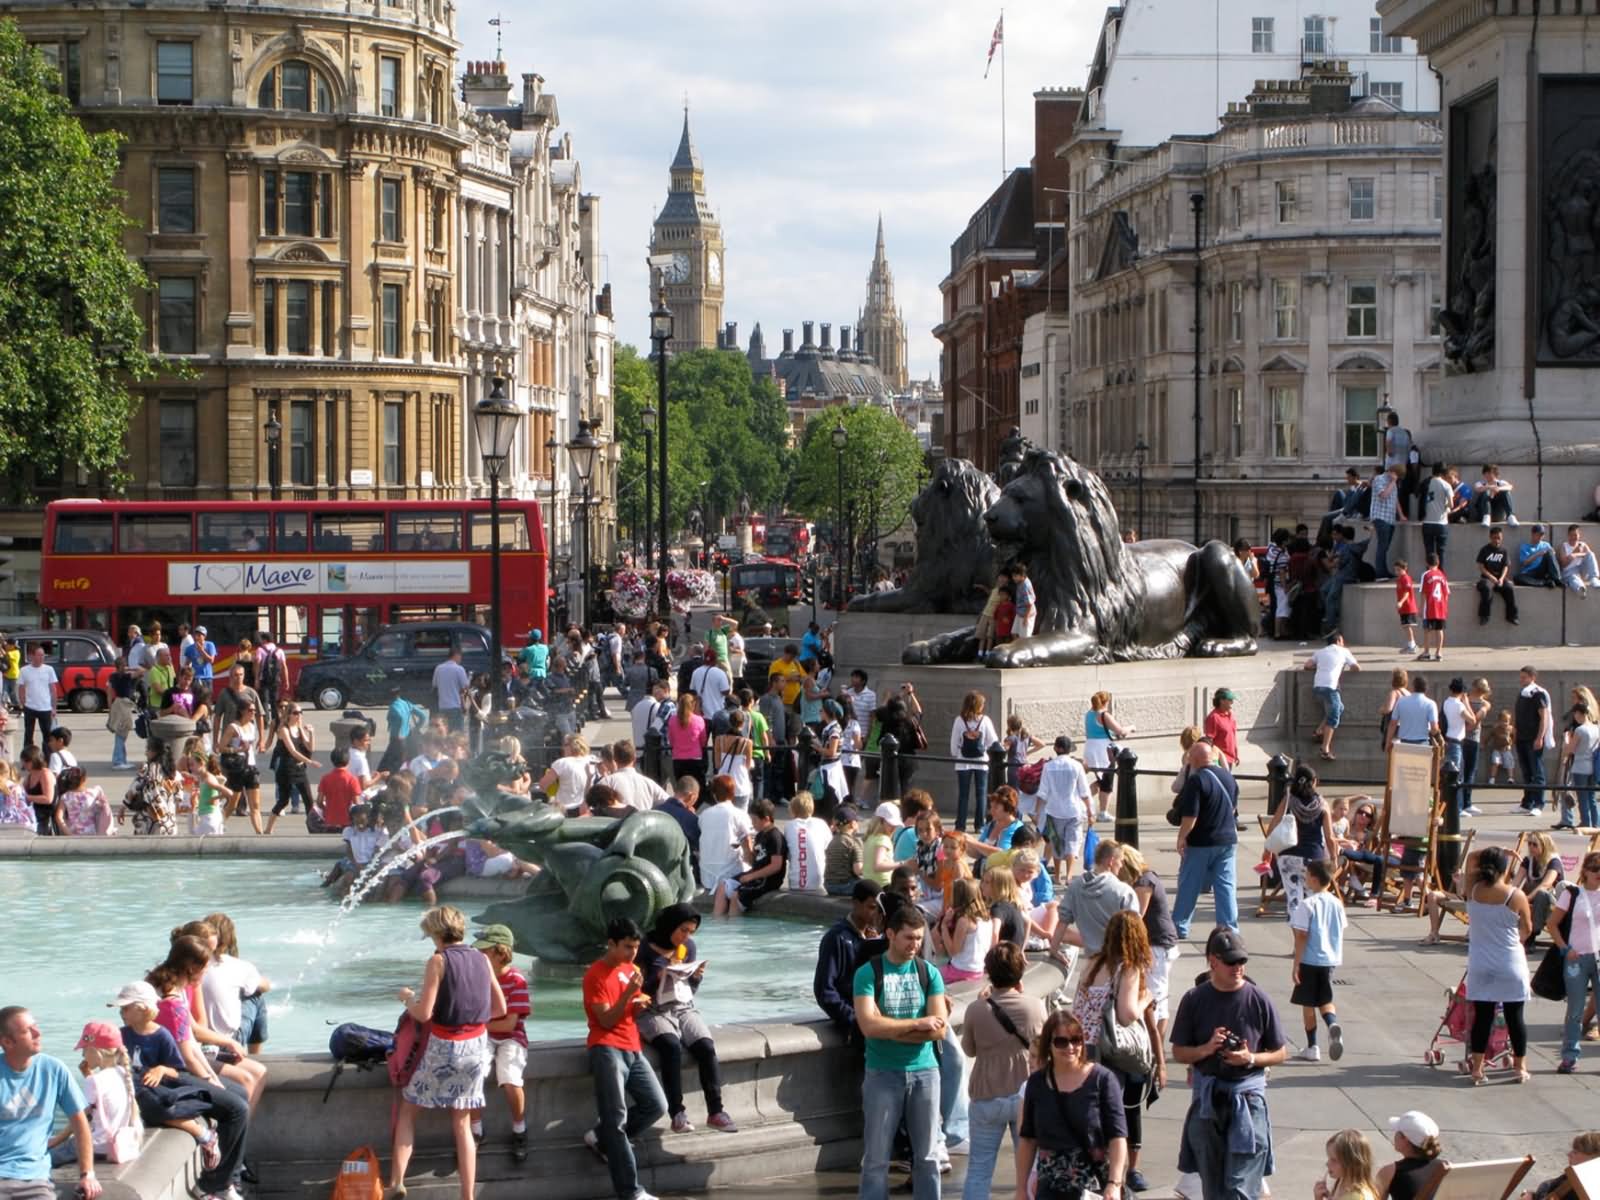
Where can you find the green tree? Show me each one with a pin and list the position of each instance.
(882, 470)
(70, 332)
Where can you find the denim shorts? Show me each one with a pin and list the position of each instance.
(1332, 705)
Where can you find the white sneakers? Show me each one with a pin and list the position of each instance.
(1310, 1054)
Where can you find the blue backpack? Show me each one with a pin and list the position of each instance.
(359, 1046)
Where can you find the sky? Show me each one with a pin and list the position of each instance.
(810, 119)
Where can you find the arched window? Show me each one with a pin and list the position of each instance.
(296, 86)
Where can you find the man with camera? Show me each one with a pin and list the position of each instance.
(1227, 1032)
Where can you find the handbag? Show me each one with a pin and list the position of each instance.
(1124, 1048)
(1079, 1173)
(1549, 982)
(1284, 835)
(919, 739)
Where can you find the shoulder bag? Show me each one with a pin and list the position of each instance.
(1548, 982)
(1284, 835)
(1124, 1048)
(1007, 1023)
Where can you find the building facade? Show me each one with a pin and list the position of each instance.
(881, 325)
(1319, 222)
(687, 242)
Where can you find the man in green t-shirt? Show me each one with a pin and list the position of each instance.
(717, 639)
(902, 1013)
(757, 725)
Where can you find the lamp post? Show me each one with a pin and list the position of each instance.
(1381, 420)
(660, 335)
(581, 450)
(648, 420)
(550, 448)
(1141, 450)
(1197, 202)
(496, 420)
(273, 432)
(840, 439)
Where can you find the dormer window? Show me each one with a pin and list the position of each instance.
(296, 87)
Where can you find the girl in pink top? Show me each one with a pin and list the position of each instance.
(686, 735)
(81, 808)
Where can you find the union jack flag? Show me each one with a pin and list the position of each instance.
(995, 41)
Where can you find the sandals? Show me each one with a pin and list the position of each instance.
(1477, 1080)
(1430, 940)
(1524, 1077)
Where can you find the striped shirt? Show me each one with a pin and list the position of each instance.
(515, 986)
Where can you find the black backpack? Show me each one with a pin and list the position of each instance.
(271, 673)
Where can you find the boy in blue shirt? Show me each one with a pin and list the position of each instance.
(1318, 926)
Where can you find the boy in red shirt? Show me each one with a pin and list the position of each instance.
(1005, 613)
(611, 999)
(1435, 610)
(1405, 604)
(336, 792)
(508, 1038)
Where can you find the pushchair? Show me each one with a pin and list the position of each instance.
(1455, 1028)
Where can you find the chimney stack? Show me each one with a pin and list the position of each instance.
(827, 335)
(806, 327)
(788, 343)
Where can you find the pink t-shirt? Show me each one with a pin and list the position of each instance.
(173, 1015)
(82, 809)
(687, 740)
(1585, 937)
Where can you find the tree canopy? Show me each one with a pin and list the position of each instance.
(726, 430)
(882, 470)
(71, 335)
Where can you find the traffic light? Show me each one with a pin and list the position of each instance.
(8, 579)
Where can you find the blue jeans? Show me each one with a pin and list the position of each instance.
(971, 786)
(621, 1076)
(1206, 867)
(886, 1096)
(1225, 1174)
(990, 1120)
(1579, 972)
(119, 749)
(1530, 759)
(1332, 706)
(953, 1106)
(1384, 532)
(1588, 807)
(1453, 754)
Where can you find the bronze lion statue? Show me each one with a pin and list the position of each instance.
(1100, 599)
(955, 558)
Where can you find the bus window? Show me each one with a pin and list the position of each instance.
(83, 534)
(513, 531)
(425, 612)
(359, 533)
(426, 531)
(146, 617)
(155, 535)
(232, 533)
(289, 531)
(228, 626)
(431, 645)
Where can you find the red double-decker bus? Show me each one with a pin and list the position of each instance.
(322, 576)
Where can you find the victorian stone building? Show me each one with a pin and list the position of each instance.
(334, 239)
(1319, 219)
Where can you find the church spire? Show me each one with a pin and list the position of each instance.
(878, 255)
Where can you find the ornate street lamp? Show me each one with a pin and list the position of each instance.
(273, 432)
(1141, 450)
(581, 450)
(841, 438)
(660, 335)
(647, 419)
(496, 420)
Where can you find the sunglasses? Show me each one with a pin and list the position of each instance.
(1066, 1043)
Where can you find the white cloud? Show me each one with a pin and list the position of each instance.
(810, 118)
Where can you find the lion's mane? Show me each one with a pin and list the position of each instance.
(955, 557)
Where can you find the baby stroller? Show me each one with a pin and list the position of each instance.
(1455, 1028)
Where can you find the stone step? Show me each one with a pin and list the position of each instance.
(1545, 617)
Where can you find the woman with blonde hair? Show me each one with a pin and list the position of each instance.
(1542, 873)
(971, 735)
(1186, 739)
(877, 852)
(1349, 1174)
(1004, 897)
(1119, 975)
(567, 778)
(459, 997)
(1099, 728)
(686, 737)
(1161, 932)
(1399, 687)
(965, 932)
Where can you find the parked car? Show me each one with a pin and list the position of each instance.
(403, 655)
(84, 660)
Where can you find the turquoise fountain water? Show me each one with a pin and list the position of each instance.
(83, 927)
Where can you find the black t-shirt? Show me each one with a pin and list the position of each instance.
(1158, 923)
(154, 1049)
(1211, 798)
(769, 845)
(1248, 1012)
(1013, 928)
(1529, 712)
(1493, 557)
(1087, 1118)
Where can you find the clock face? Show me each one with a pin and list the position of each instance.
(714, 268)
(678, 272)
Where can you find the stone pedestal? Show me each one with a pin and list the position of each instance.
(173, 731)
(1522, 202)
(342, 729)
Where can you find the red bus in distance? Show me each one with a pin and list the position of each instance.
(322, 576)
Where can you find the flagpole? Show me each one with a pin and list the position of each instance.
(1002, 94)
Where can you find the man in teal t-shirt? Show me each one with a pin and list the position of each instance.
(902, 1019)
(535, 655)
(33, 1086)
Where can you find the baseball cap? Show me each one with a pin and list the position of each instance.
(102, 1035)
(536, 635)
(200, 629)
(495, 935)
(1228, 946)
(890, 812)
(847, 812)
(1416, 1127)
(1225, 694)
(138, 992)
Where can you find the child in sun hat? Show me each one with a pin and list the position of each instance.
(108, 1087)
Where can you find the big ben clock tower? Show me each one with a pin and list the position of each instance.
(688, 231)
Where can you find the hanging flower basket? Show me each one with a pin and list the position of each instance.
(633, 593)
